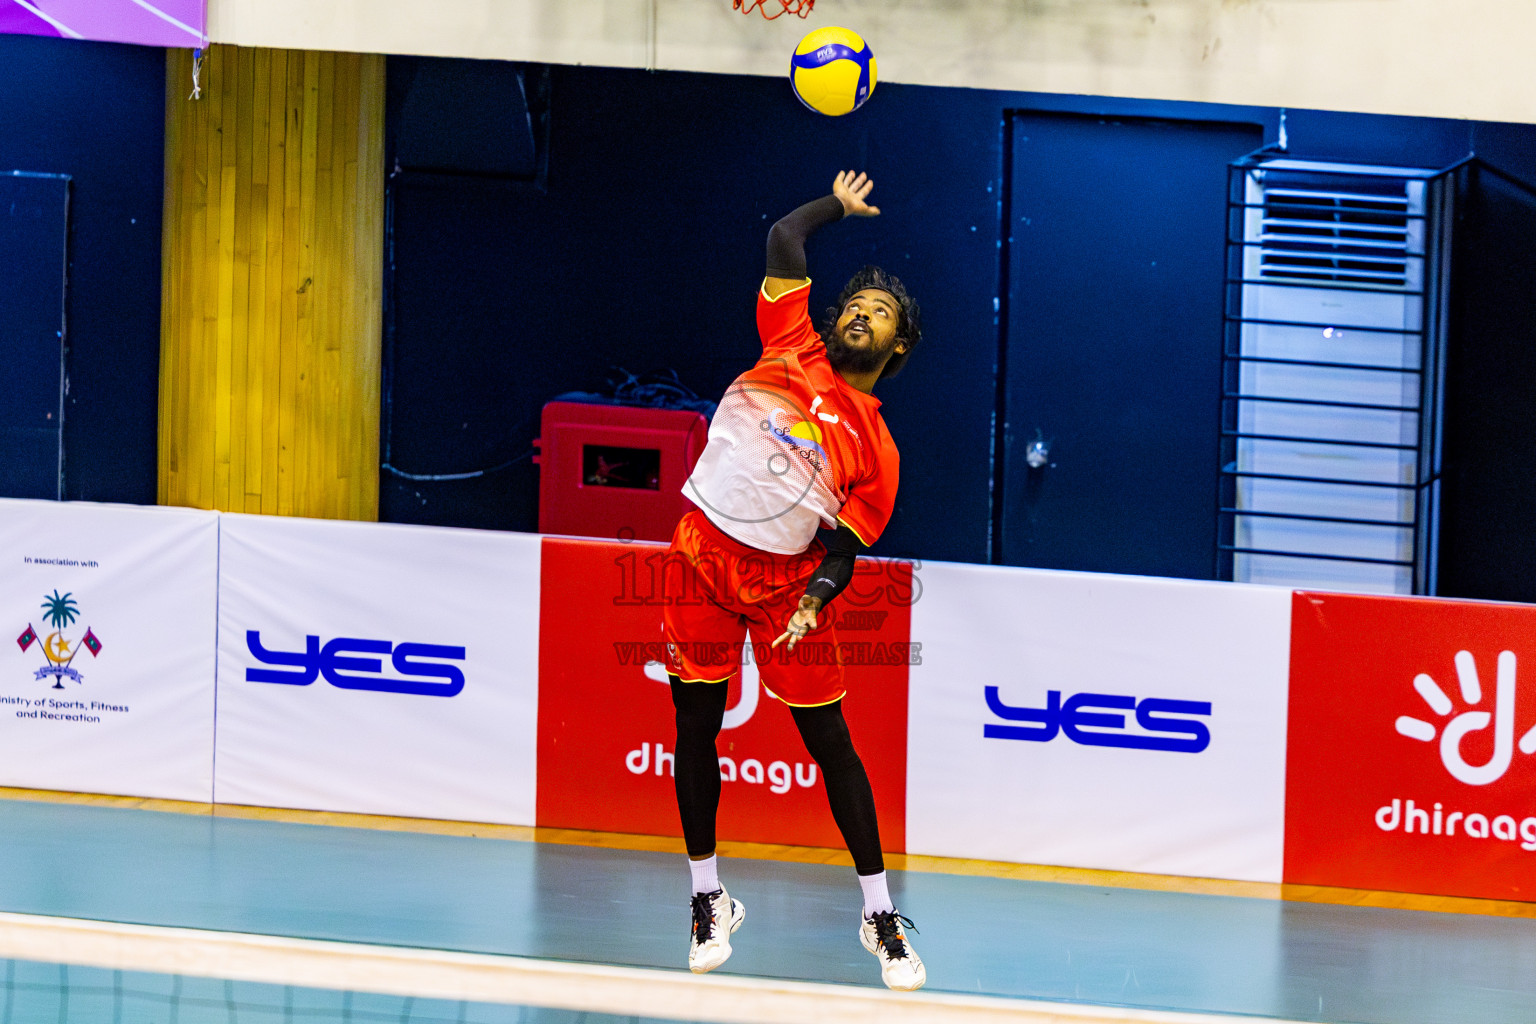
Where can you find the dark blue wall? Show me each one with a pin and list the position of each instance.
(34, 225)
(96, 112)
(1488, 536)
(646, 251)
(1116, 271)
(645, 246)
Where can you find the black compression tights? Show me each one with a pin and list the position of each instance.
(696, 769)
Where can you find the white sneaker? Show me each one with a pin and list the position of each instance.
(715, 917)
(900, 966)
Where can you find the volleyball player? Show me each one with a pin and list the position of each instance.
(799, 476)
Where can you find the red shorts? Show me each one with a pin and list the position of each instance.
(717, 589)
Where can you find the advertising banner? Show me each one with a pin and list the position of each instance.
(1113, 722)
(1413, 746)
(378, 669)
(107, 675)
(147, 22)
(606, 730)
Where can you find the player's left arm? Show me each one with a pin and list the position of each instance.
(831, 578)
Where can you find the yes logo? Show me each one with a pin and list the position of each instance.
(1100, 720)
(424, 668)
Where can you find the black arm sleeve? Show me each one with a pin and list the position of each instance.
(836, 570)
(786, 239)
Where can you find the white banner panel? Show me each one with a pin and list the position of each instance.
(107, 672)
(379, 669)
(1116, 722)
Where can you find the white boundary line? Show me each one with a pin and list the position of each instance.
(524, 981)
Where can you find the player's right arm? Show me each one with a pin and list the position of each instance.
(786, 239)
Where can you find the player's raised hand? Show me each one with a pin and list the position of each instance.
(852, 189)
(800, 623)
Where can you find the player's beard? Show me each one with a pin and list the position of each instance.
(850, 359)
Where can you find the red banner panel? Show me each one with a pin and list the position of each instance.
(1410, 760)
(606, 732)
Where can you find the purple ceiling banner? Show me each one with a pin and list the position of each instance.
(147, 22)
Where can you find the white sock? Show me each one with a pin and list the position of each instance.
(877, 898)
(706, 876)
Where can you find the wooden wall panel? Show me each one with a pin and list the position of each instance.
(272, 289)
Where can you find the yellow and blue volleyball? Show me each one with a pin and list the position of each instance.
(832, 71)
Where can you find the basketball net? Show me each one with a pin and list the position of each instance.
(800, 7)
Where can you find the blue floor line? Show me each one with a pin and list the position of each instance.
(982, 936)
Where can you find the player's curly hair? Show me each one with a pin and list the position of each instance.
(908, 328)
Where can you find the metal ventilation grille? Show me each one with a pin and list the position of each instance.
(1337, 282)
(1338, 238)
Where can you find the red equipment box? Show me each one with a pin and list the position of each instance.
(615, 471)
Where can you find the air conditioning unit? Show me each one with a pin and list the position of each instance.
(1332, 373)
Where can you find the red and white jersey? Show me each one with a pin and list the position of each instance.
(793, 446)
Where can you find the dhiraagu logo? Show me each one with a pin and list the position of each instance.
(778, 775)
(1458, 720)
(1472, 719)
(745, 707)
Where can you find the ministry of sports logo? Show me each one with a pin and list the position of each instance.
(59, 612)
